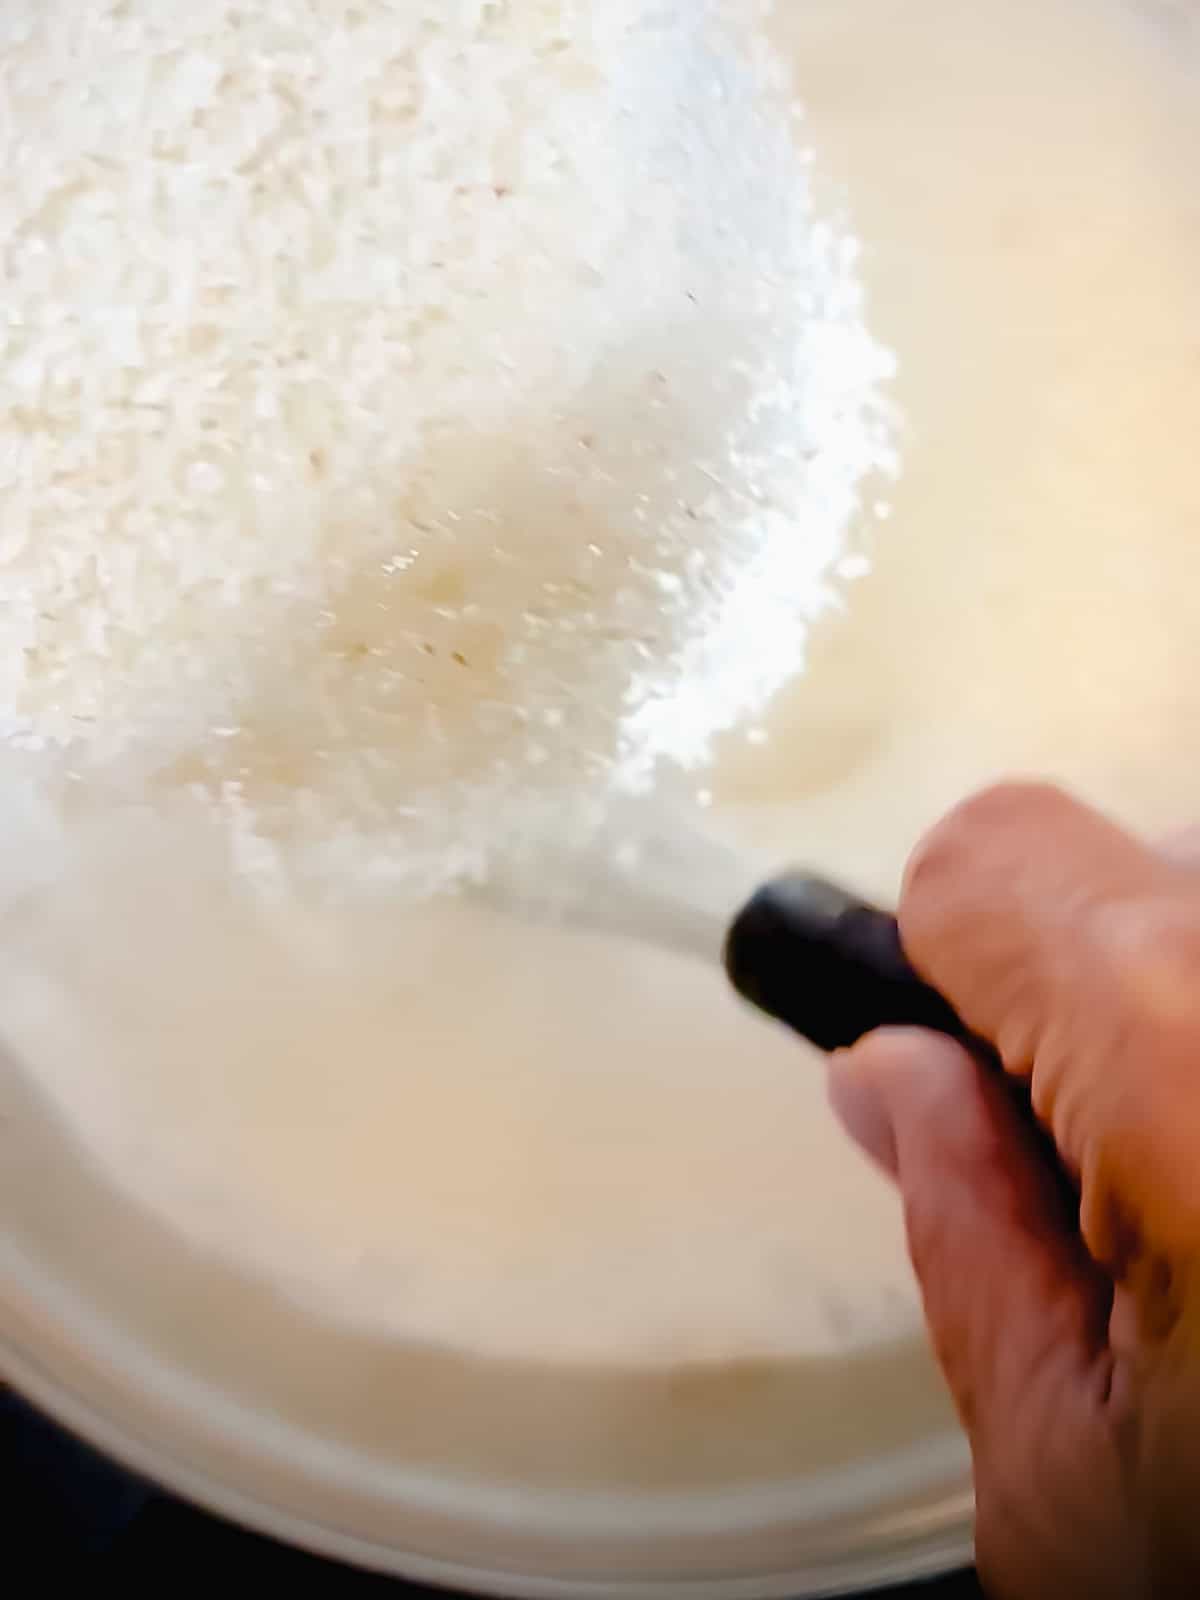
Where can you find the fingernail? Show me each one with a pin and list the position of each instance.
(863, 1113)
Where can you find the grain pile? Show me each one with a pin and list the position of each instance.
(407, 405)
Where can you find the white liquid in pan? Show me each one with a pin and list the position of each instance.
(488, 1137)
(1023, 175)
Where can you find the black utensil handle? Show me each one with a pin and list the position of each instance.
(829, 965)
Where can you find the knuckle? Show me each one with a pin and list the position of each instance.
(982, 816)
(1150, 948)
(980, 878)
(1182, 847)
(1018, 800)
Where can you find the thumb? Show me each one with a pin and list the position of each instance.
(1012, 1300)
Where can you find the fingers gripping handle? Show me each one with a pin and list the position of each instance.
(829, 965)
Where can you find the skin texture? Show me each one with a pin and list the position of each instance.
(1053, 1211)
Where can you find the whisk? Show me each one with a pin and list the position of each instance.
(807, 952)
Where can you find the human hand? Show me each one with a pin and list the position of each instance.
(1060, 1274)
